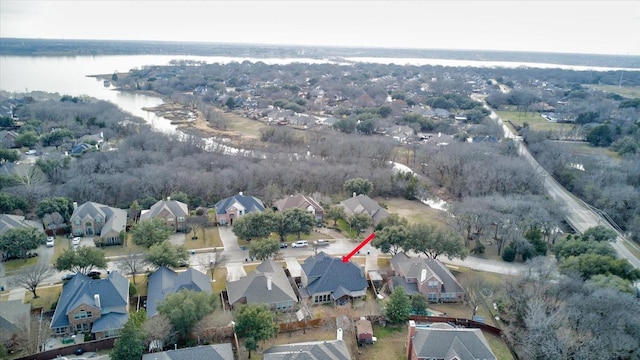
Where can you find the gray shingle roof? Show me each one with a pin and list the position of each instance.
(208, 352)
(363, 204)
(165, 281)
(297, 201)
(249, 203)
(409, 288)
(459, 343)
(254, 286)
(8, 222)
(110, 321)
(326, 273)
(113, 291)
(13, 312)
(177, 208)
(412, 268)
(316, 350)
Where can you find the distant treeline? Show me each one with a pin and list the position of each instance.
(54, 47)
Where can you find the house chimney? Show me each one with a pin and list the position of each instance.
(412, 333)
(96, 299)
(354, 194)
(168, 198)
(269, 282)
(75, 205)
(423, 275)
(339, 334)
(240, 193)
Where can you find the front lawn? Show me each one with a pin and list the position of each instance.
(210, 238)
(47, 297)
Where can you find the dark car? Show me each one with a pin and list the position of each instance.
(68, 277)
(79, 351)
(94, 274)
(283, 245)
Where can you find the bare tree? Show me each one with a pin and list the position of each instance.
(53, 221)
(213, 261)
(32, 276)
(477, 290)
(133, 264)
(158, 328)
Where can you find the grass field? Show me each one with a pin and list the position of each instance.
(535, 121)
(17, 264)
(47, 296)
(414, 211)
(243, 125)
(626, 91)
(210, 238)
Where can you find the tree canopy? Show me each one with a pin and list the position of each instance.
(81, 260)
(298, 221)
(398, 307)
(359, 186)
(255, 225)
(129, 345)
(150, 232)
(433, 242)
(19, 241)
(391, 239)
(263, 249)
(255, 322)
(166, 254)
(185, 308)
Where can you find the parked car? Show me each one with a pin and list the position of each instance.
(68, 277)
(283, 245)
(94, 274)
(300, 243)
(76, 241)
(321, 242)
(79, 351)
(51, 241)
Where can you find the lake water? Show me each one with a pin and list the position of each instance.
(68, 75)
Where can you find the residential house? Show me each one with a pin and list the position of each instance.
(443, 341)
(233, 207)
(429, 277)
(328, 279)
(173, 212)
(203, 352)
(8, 138)
(362, 204)
(324, 350)
(442, 113)
(8, 222)
(93, 219)
(267, 284)
(301, 202)
(80, 148)
(401, 132)
(100, 307)
(14, 318)
(165, 281)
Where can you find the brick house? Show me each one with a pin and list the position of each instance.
(429, 277)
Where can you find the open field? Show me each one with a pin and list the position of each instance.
(243, 125)
(414, 211)
(584, 148)
(17, 264)
(390, 345)
(534, 119)
(626, 91)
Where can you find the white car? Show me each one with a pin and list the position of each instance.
(75, 241)
(321, 242)
(300, 243)
(51, 241)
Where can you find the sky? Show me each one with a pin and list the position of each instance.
(573, 26)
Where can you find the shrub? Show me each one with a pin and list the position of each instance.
(509, 254)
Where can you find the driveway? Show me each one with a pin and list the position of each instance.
(235, 271)
(229, 239)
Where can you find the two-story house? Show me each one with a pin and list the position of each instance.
(99, 307)
(234, 207)
(165, 281)
(93, 219)
(173, 212)
(328, 279)
(429, 277)
(303, 202)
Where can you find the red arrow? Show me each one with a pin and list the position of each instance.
(360, 246)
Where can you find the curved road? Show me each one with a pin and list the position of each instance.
(577, 212)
